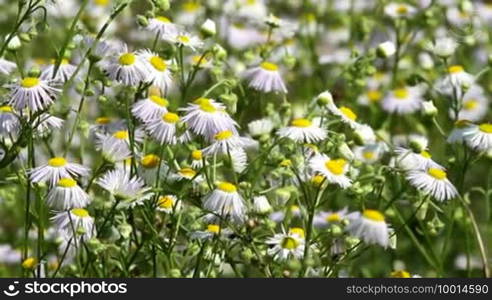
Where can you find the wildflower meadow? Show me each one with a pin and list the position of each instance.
(245, 138)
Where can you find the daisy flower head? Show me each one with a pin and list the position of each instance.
(163, 129)
(162, 26)
(347, 115)
(6, 67)
(150, 108)
(433, 181)
(131, 190)
(260, 127)
(442, 47)
(479, 137)
(399, 10)
(369, 226)
(239, 159)
(324, 219)
(206, 117)
(196, 159)
(261, 205)
(224, 201)
(186, 40)
(56, 169)
(286, 245)
(224, 142)
(187, 174)
(112, 149)
(9, 122)
(158, 72)
(475, 105)
(265, 78)
(369, 97)
(67, 194)
(168, 204)
(364, 134)
(334, 170)
(457, 135)
(370, 153)
(210, 232)
(64, 72)
(455, 81)
(33, 93)
(410, 160)
(303, 131)
(126, 67)
(76, 221)
(404, 100)
(46, 123)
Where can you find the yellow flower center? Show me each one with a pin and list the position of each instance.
(333, 218)
(199, 60)
(294, 208)
(170, 118)
(29, 263)
(269, 66)
(190, 6)
(470, 104)
(223, 135)
(80, 212)
(150, 161)
(462, 123)
(373, 215)
(302, 123)
(347, 112)
(297, 230)
(159, 100)
(103, 120)
(121, 135)
(437, 173)
(29, 82)
(183, 39)
(374, 95)
(197, 155)
(6, 108)
(251, 2)
(402, 9)
(166, 202)
(57, 162)
(455, 69)
(401, 94)
(400, 274)
(127, 59)
(162, 19)
(158, 63)
(213, 228)
(487, 128)
(425, 154)
(187, 172)
(286, 163)
(336, 166)
(368, 155)
(289, 243)
(67, 182)
(101, 2)
(227, 187)
(206, 105)
(317, 180)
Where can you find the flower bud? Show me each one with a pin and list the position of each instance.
(386, 49)
(208, 28)
(429, 109)
(142, 21)
(325, 98)
(14, 44)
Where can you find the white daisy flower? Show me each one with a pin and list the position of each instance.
(131, 190)
(324, 219)
(443, 47)
(107, 125)
(55, 169)
(399, 10)
(46, 124)
(347, 115)
(241, 37)
(434, 182)
(260, 127)
(303, 131)
(210, 232)
(9, 122)
(265, 78)
(159, 74)
(112, 149)
(239, 159)
(479, 137)
(286, 245)
(67, 194)
(163, 129)
(455, 81)
(64, 73)
(369, 97)
(6, 67)
(224, 142)
(196, 159)
(261, 205)
(370, 226)
(409, 160)
(187, 174)
(333, 169)
(186, 40)
(364, 134)
(475, 105)
(206, 117)
(73, 222)
(126, 67)
(225, 201)
(162, 26)
(33, 93)
(168, 204)
(150, 107)
(457, 135)
(403, 100)
(370, 153)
